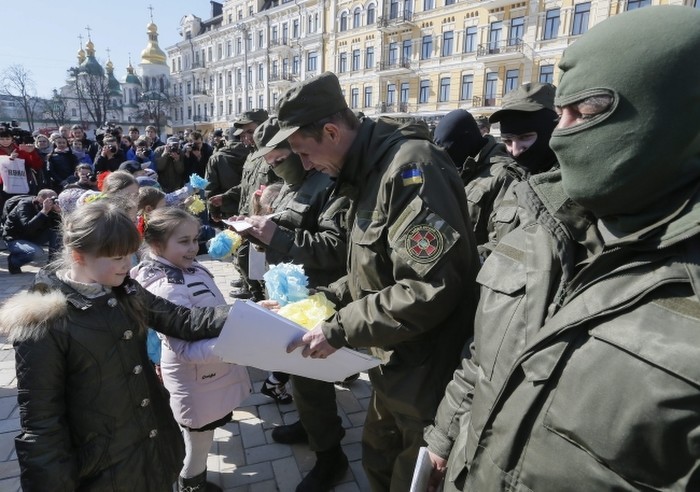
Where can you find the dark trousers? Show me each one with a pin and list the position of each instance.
(318, 412)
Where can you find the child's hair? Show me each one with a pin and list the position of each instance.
(162, 222)
(82, 166)
(268, 196)
(149, 196)
(117, 181)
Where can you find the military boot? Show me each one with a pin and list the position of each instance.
(197, 484)
(330, 467)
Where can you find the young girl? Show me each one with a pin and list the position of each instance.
(93, 414)
(203, 389)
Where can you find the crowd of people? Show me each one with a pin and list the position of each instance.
(534, 301)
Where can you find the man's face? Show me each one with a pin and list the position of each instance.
(151, 134)
(247, 135)
(277, 156)
(316, 155)
(64, 131)
(77, 133)
(134, 134)
(517, 144)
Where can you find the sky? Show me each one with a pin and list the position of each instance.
(43, 36)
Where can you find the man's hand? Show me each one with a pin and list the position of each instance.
(263, 228)
(216, 201)
(438, 473)
(48, 205)
(273, 306)
(315, 344)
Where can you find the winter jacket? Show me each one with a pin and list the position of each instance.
(583, 373)
(27, 221)
(409, 293)
(62, 168)
(93, 414)
(171, 172)
(224, 170)
(202, 388)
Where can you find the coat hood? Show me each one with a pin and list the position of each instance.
(26, 316)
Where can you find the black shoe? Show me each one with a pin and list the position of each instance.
(290, 434)
(330, 467)
(197, 484)
(237, 283)
(14, 270)
(241, 294)
(277, 392)
(348, 380)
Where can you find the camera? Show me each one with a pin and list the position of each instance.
(174, 147)
(195, 146)
(92, 177)
(112, 148)
(19, 135)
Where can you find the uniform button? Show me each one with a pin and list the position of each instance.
(138, 369)
(153, 433)
(145, 402)
(128, 335)
(112, 302)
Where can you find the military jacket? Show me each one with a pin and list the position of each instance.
(224, 170)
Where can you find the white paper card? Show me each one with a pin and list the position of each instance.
(422, 471)
(257, 266)
(257, 337)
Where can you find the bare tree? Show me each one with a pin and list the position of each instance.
(154, 108)
(18, 84)
(93, 94)
(56, 109)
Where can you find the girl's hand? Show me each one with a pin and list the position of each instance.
(273, 306)
(14, 155)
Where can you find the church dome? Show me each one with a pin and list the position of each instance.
(90, 65)
(152, 53)
(131, 77)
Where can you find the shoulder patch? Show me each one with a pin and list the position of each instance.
(412, 176)
(424, 243)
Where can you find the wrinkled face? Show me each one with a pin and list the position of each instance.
(517, 144)
(315, 155)
(277, 156)
(182, 246)
(582, 111)
(104, 270)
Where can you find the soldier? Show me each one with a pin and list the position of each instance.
(409, 293)
(583, 374)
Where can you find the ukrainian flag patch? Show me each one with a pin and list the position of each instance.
(412, 176)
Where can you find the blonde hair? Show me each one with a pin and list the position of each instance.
(162, 223)
(117, 181)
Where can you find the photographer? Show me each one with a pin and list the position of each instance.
(62, 164)
(83, 179)
(197, 153)
(110, 155)
(142, 153)
(171, 166)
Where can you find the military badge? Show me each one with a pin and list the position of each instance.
(424, 243)
(411, 176)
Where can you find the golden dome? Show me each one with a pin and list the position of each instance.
(153, 53)
(110, 65)
(81, 56)
(90, 48)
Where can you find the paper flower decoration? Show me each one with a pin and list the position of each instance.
(197, 182)
(310, 311)
(224, 244)
(286, 283)
(196, 205)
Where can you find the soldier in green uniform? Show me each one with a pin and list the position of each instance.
(584, 370)
(409, 293)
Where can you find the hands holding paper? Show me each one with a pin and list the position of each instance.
(315, 344)
(438, 473)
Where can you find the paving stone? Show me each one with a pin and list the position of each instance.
(266, 452)
(287, 474)
(252, 433)
(246, 475)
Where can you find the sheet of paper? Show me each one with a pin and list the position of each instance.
(422, 471)
(257, 337)
(257, 266)
(238, 225)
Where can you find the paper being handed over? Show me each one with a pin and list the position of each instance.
(257, 337)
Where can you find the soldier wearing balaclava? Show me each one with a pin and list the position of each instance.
(583, 374)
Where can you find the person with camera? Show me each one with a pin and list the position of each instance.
(110, 156)
(142, 153)
(170, 166)
(83, 179)
(197, 154)
(30, 222)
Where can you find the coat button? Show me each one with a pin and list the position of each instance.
(128, 335)
(138, 369)
(112, 302)
(145, 402)
(153, 433)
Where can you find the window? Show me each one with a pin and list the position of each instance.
(447, 41)
(637, 4)
(230, 106)
(470, 40)
(229, 48)
(444, 95)
(393, 53)
(547, 74)
(368, 96)
(426, 47)
(466, 91)
(369, 57)
(261, 72)
(343, 21)
(393, 9)
(356, 18)
(424, 91)
(275, 68)
(261, 39)
(391, 93)
(343, 63)
(403, 95)
(295, 29)
(239, 46)
(209, 51)
(428, 4)
(273, 34)
(221, 109)
(490, 89)
(221, 81)
(517, 30)
(239, 77)
(261, 101)
(285, 66)
(407, 50)
(296, 62)
(311, 61)
(355, 60)
(511, 81)
(371, 14)
(581, 13)
(219, 51)
(229, 78)
(285, 33)
(551, 24)
(449, 2)
(495, 36)
(354, 98)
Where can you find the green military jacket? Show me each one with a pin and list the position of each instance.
(584, 373)
(224, 170)
(256, 172)
(409, 293)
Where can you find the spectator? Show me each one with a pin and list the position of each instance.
(142, 153)
(110, 156)
(152, 134)
(171, 166)
(84, 178)
(33, 166)
(134, 133)
(197, 154)
(62, 163)
(79, 152)
(89, 146)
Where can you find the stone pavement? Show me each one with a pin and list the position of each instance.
(244, 457)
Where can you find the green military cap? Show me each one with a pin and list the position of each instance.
(307, 102)
(253, 116)
(262, 136)
(529, 98)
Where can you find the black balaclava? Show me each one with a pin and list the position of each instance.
(291, 170)
(458, 133)
(539, 157)
(628, 164)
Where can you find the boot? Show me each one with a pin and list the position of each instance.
(197, 484)
(290, 434)
(330, 467)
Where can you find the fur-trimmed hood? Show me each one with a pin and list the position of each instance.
(26, 316)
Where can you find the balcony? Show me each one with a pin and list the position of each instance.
(281, 77)
(200, 92)
(383, 107)
(508, 47)
(491, 101)
(395, 21)
(399, 65)
(199, 117)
